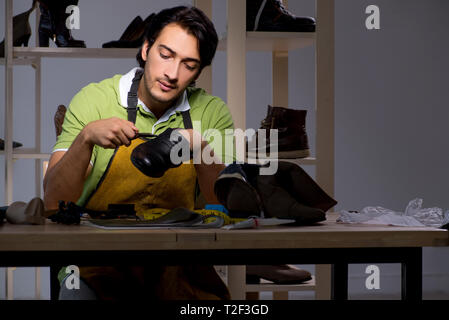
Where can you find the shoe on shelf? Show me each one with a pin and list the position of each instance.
(133, 36)
(52, 24)
(21, 30)
(279, 274)
(292, 137)
(59, 119)
(14, 144)
(271, 15)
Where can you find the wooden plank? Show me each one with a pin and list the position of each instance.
(195, 239)
(323, 283)
(205, 79)
(8, 102)
(237, 281)
(325, 96)
(37, 128)
(92, 53)
(52, 237)
(236, 62)
(327, 235)
(280, 78)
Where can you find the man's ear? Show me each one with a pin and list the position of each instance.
(197, 75)
(144, 51)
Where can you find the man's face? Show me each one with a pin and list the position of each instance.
(172, 63)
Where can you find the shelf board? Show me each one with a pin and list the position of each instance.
(274, 41)
(27, 153)
(95, 53)
(256, 41)
(299, 161)
(19, 61)
(270, 286)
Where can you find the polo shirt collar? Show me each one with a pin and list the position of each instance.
(125, 85)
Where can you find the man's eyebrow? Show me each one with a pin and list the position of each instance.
(174, 52)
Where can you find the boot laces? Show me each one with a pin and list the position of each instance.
(282, 8)
(267, 123)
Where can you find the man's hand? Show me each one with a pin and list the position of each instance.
(195, 139)
(206, 173)
(110, 133)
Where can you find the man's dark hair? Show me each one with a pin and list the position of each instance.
(194, 21)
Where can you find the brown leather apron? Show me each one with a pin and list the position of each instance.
(123, 183)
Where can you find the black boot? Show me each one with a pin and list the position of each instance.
(290, 193)
(292, 137)
(271, 15)
(53, 24)
(21, 30)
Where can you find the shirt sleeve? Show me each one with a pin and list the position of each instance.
(219, 132)
(78, 114)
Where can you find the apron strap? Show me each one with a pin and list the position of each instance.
(132, 103)
(187, 119)
(132, 97)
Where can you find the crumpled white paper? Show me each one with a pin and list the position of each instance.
(414, 216)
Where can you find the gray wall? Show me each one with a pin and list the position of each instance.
(391, 109)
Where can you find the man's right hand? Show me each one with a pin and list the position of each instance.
(110, 133)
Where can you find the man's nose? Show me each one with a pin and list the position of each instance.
(172, 71)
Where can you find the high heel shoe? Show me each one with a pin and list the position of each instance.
(52, 24)
(21, 30)
(133, 36)
(14, 144)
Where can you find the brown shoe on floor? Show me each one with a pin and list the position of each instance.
(279, 274)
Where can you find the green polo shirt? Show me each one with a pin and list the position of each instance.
(107, 99)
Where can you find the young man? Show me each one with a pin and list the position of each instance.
(101, 123)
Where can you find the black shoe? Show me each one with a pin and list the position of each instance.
(14, 144)
(52, 24)
(290, 193)
(271, 15)
(21, 30)
(134, 34)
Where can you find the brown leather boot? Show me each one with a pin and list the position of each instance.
(59, 119)
(292, 137)
(280, 274)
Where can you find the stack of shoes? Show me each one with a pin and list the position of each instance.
(14, 144)
(21, 30)
(279, 274)
(133, 36)
(292, 137)
(271, 15)
(52, 24)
